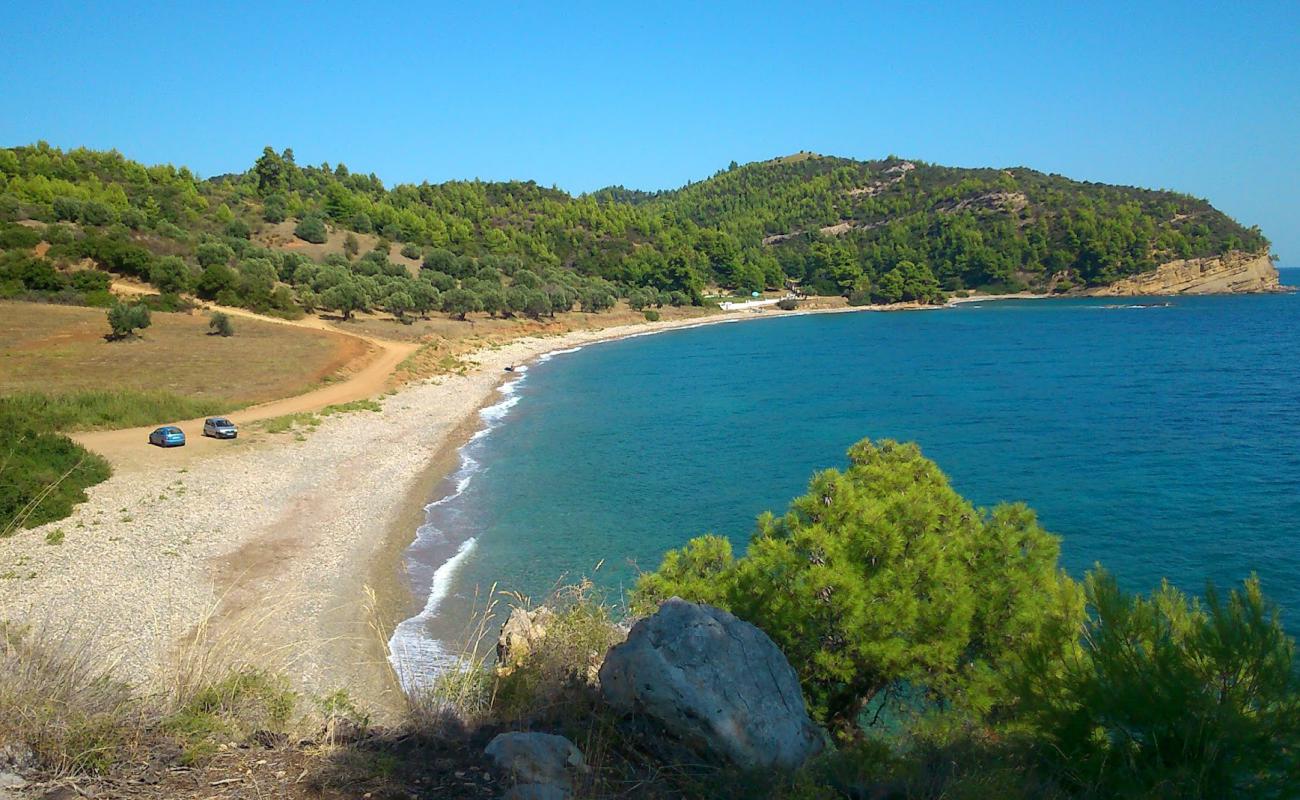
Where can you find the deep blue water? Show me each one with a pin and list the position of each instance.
(1159, 441)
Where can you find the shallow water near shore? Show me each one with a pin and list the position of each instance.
(1159, 436)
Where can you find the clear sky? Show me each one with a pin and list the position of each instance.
(1202, 98)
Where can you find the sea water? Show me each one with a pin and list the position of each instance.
(1159, 437)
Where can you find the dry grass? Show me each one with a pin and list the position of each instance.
(54, 349)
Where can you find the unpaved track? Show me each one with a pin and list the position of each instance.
(129, 449)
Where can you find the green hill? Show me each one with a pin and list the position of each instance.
(870, 230)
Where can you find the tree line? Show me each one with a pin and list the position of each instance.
(872, 231)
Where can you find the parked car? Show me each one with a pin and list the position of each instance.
(219, 428)
(168, 436)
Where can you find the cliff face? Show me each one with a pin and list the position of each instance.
(1231, 273)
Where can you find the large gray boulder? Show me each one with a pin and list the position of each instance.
(714, 682)
(541, 765)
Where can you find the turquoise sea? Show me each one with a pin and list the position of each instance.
(1160, 437)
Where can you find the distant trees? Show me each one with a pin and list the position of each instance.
(124, 319)
(311, 228)
(171, 274)
(460, 302)
(347, 298)
(215, 280)
(884, 231)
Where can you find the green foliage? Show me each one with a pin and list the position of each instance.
(239, 705)
(217, 279)
(42, 474)
(651, 315)
(880, 231)
(558, 666)
(126, 318)
(459, 302)
(170, 274)
(311, 228)
(882, 576)
(787, 304)
(347, 297)
(220, 324)
(1163, 696)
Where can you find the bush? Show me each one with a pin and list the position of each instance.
(275, 208)
(790, 304)
(410, 250)
(67, 209)
(125, 319)
(170, 274)
(311, 228)
(558, 668)
(220, 324)
(1167, 697)
(42, 474)
(651, 315)
(881, 577)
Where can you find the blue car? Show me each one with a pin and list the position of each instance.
(168, 436)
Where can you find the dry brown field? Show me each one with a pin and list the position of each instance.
(52, 349)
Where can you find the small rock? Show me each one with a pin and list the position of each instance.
(16, 756)
(520, 634)
(541, 764)
(11, 780)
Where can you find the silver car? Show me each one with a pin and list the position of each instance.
(219, 428)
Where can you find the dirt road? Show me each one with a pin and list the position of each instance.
(129, 448)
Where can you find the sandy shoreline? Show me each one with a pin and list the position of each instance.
(269, 548)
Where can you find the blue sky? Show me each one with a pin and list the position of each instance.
(1202, 98)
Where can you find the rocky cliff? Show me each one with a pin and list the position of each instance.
(1231, 273)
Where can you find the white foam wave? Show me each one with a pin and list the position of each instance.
(414, 655)
(544, 357)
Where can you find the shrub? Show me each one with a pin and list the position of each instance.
(1163, 696)
(67, 209)
(561, 665)
(651, 315)
(210, 253)
(410, 250)
(311, 228)
(170, 274)
(790, 304)
(43, 474)
(216, 279)
(274, 208)
(125, 319)
(220, 324)
(883, 576)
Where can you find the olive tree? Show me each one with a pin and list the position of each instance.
(125, 319)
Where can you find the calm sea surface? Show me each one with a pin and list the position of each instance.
(1159, 440)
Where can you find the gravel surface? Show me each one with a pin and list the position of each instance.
(265, 546)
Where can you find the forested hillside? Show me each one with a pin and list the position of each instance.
(872, 231)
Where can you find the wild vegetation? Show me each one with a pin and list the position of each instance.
(884, 230)
(940, 644)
